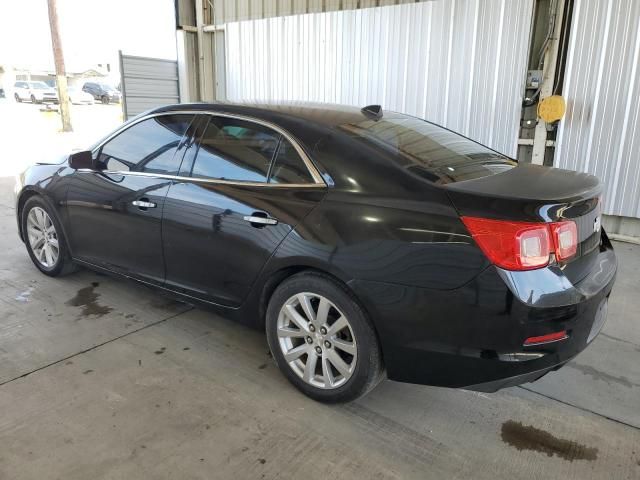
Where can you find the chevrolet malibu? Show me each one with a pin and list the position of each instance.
(367, 244)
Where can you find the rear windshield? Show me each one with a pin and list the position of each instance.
(429, 151)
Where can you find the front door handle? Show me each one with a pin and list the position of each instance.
(260, 220)
(143, 204)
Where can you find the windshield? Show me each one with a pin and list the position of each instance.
(39, 85)
(428, 150)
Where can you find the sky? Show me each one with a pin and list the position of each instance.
(92, 32)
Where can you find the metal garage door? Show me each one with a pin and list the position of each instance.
(461, 64)
(147, 83)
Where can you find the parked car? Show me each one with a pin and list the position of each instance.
(35, 92)
(78, 97)
(365, 242)
(102, 92)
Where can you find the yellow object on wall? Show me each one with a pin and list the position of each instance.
(552, 109)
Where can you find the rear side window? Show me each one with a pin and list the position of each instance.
(148, 146)
(288, 166)
(234, 149)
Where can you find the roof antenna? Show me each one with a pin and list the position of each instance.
(372, 111)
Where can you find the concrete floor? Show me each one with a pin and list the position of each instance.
(102, 378)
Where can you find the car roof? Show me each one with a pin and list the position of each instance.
(325, 114)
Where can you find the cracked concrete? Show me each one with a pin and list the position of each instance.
(101, 378)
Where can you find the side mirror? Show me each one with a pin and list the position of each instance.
(81, 160)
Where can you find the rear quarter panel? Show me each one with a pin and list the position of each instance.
(407, 242)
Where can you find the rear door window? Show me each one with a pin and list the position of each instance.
(288, 166)
(235, 149)
(148, 146)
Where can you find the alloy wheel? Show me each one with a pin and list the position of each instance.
(317, 340)
(43, 237)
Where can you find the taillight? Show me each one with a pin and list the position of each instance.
(523, 245)
(565, 239)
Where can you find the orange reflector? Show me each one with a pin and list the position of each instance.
(552, 337)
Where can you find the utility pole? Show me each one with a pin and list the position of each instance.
(61, 74)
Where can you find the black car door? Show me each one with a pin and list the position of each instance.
(115, 214)
(246, 185)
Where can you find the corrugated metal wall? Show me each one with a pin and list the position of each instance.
(458, 63)
(225, 11)
(147, 83)
(599, 134)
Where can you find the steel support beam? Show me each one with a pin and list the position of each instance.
(548, 80)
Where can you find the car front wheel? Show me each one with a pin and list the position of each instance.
(322, 340)
(44, 239)
(17, 97)
(105, 100)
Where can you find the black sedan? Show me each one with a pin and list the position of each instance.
(366, 243)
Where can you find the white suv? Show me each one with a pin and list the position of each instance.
(35, 92)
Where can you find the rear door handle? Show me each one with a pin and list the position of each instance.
(144, 204)
(260, 221)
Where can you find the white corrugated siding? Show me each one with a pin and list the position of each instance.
(225, 11)
(599, 134)
(460, 63)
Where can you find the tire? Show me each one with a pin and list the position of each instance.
(17, 97)
(105, 100)
(33, 99)
(286, 336)
(62, 264)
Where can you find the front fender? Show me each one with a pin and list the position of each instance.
(49, 182)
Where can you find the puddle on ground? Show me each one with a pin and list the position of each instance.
(87, 298)
(525, 437)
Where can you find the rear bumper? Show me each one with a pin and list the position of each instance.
(472, 337)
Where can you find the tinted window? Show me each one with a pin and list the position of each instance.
(288, 167)
(232, 149)
(428, 150)
(147, 146)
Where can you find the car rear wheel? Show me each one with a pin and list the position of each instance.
(105, 100)
(44, 239)
(17, 97)
(322, 340)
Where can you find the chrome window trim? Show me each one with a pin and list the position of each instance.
(206, 180)
(318, 181)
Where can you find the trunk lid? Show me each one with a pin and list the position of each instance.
(533, 193)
